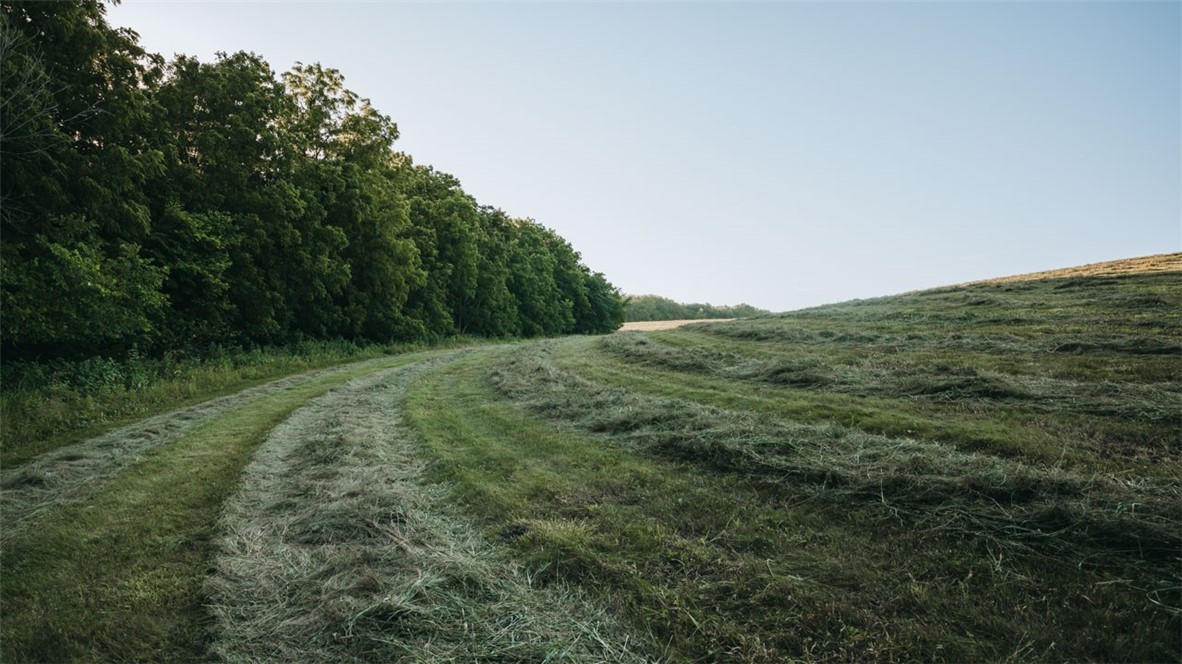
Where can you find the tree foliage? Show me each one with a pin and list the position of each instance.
(655, 307)
(161, 205)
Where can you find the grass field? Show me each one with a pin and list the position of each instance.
(987, 472)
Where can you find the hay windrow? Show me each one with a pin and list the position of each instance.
(337, 550)
(940, 383)
(58, 476)
(979, 496)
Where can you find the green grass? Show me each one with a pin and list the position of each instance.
(1114, 426)
(119, 576)
(378, 568)
(655, 506)
(1016, 369)
(804, 404)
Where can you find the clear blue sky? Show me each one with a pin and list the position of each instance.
(783, 155)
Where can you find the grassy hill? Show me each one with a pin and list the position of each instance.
(986, 472)
(1141, 265)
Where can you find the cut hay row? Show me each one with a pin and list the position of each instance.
(735, 535)
(1005, 501)
(336, 549)
(884, 376)
(58, 476)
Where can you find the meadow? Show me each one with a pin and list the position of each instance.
(984, 472)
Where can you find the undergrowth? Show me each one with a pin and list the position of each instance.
(49, 405)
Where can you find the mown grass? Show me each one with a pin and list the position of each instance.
(47, 406)
(723, 562)
(377, 568)
(1084, 371)
(987, 473)
(1113, 426)
(881, 508)
(118, 576)
(803, 403)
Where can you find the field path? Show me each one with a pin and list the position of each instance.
(337, 549)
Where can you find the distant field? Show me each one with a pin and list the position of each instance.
(987, 472)
(1142, 265)
(654, 325)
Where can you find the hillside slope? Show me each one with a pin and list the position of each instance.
(1140, 265)
(977, 473)
(987, 472)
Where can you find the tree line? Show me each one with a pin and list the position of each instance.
(655, 307)
(154, 205)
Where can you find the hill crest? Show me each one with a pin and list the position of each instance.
(1140, 265)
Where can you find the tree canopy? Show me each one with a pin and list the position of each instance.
(655, 307)
(156, 205)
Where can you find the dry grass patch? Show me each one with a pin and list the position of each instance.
(654, 325)
(1141, 265)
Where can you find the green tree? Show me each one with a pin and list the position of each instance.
(76, 154)
(542, 309)
(607, 306)
(157, 205)
(492, 310)
(342, 146)
(232, 213)
(445, 226)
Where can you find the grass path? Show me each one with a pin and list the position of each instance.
(116, 574)
(337, 550)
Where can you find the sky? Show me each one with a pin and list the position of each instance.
(783, 155)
